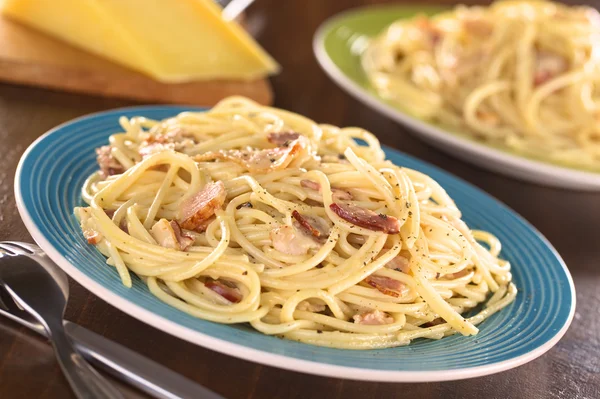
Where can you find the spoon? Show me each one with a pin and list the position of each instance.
(42, 295)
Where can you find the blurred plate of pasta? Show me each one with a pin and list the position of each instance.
(460, 81)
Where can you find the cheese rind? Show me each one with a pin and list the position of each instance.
(172, 41)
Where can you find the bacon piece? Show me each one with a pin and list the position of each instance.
(92, 237)
(184, 238)
(259, 161)
(434, 322)
(430, 30)
(366, 218)
(399, 263)
(174, 140)
(201, 228)
(168, 234)
(291, 241)
(311, 307)
(337, 193)
(373, 318)
(490, 118)
(310, 184)
(199, 208)
(123, 225)
(282, 138)
(230, 293)
(176, 136)
(548, 65)
(385, 285)
(88, 226)
(477, 27)
(151, 149)
(108, 164)
(314, 226)
(459, 274)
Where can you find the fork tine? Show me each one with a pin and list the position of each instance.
(5, 249)
(3, 306)
(7, 301)
(10, 309)
(15, 248)
(25, 245)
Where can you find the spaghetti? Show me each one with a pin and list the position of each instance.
(246, 213)
(519, 75)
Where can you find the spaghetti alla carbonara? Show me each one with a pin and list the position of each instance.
(251, 214)
(519, 75)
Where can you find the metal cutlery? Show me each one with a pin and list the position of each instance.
(37, 292)
(233, 8)
(119, 361)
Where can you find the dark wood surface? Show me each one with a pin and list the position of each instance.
(570, 220)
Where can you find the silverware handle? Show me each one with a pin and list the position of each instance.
(139, 371)
(84, 380)
(232, 9)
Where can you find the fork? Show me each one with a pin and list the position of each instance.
(41, 294)
(117, 360)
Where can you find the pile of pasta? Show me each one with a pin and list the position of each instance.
(520, 75)
(251, 214)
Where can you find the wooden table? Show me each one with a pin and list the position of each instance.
(570, 220)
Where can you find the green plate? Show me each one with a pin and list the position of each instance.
(344, 42)
(338, 45)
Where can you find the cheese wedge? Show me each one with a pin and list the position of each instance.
(170, 40)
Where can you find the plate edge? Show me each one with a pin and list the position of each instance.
(255, 355)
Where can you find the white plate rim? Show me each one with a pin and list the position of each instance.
(489, 157)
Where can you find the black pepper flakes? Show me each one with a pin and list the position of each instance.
(319, 332)
(245, 273)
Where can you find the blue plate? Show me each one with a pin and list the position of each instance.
(47, 187)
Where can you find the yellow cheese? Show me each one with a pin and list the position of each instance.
(170, 40)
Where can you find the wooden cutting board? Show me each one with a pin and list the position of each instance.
(32, 58)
